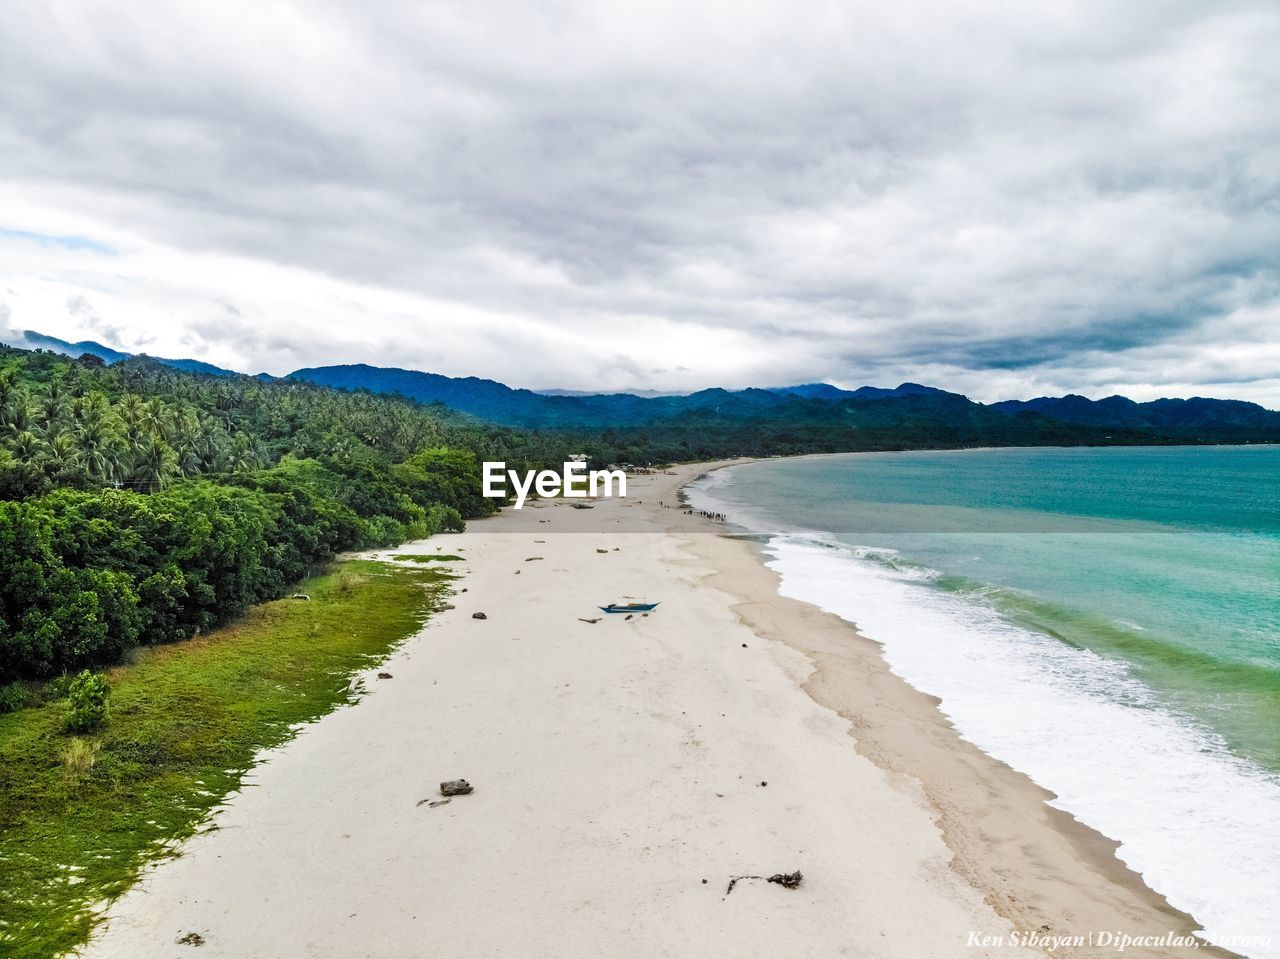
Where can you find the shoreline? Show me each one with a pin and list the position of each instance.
(621, 769)
(1044, 853)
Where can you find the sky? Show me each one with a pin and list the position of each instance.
(1004, 199)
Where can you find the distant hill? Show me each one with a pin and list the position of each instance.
(1198, 416)
(825, 391)
(805, 416)
(494, 401)
(821, 414)
(498, 403)
(31, 340)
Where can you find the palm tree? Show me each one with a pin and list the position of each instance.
(15, 414)
(241, 457)
(61, 453)
(154, 464)
(130, 409)
(26, 446)
(99, 450)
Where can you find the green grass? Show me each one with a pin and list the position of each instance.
(81, 815)
(427, 558)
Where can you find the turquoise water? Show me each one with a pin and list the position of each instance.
(1105, 620)
(1166, 557)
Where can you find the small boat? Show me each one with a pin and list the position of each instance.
(627, 607)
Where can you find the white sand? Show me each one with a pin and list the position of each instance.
(617, 765)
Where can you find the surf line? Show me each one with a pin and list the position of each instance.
(573, 481)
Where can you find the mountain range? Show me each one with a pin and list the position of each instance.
(809, 406)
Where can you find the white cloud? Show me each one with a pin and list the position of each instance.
(999, 198)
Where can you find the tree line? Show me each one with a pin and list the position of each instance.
(140, 505)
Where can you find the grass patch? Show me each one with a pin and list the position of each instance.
(80, 816)
(428, 558)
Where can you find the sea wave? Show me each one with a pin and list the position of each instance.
(1194, 819)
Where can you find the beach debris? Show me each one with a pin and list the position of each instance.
(605, 551)
(763, 783)
(445, 607)
(583, 506)
(530, 559)
(788, 880)
(629, 615)
(517, 572)
(385, 676)
(432, 803)
(596, 620)
(190, 939)
(296, 596)
(455, 787)
(479, 616)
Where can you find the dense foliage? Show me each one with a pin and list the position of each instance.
(140, 505)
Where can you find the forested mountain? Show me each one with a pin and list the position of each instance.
(31, 340)
(768, 416)
(935, 420)
(821, 407)
(1196, 416)
(493, 401)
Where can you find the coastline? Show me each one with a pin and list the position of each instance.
(1038, 866)
(615, 766)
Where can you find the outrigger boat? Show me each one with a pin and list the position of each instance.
(631, 607)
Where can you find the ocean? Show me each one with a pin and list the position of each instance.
(1107, 621)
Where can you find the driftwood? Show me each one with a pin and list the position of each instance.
(788, 880)
(596, 620)
(384, 676)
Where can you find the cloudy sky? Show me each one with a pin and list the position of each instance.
(1006, 199)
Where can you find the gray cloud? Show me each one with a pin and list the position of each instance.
(1008, 197)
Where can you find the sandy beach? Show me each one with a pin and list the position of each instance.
(625, 770)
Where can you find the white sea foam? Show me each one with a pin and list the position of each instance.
(1200, 824)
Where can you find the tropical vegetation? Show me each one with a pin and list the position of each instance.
(139, 504)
